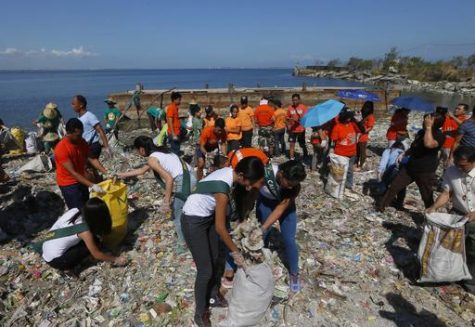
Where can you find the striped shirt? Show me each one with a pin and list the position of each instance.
(467, 130)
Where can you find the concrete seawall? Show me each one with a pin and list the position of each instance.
(221, 98)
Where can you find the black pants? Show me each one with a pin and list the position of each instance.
(71, 258)
(75, 195)
(246, 140)
(279, 142)
(203, 242)
(233, 145)
(300, 139)
(470, 250)
(425, 182)
(361, 148)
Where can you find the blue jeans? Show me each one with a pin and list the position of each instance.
(174, 145)
(288, 228)
(75, 195)
(177, 205)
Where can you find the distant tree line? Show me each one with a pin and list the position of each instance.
(456, 69)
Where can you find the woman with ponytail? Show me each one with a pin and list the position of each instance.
(171, 172)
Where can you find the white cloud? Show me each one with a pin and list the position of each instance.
(74, 52)
(10, 52)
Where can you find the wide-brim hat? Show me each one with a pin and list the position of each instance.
(51, 105)
(51, 137)
(110, 100)
(50, 113)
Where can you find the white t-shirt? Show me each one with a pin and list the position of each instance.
(265, 192)
(462, 188)
(171, 163)
(55, 248)
(89, 122)
(204, 205)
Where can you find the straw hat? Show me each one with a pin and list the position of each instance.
(110, 100)
(51, 137)
(50, 112)
(51, 105)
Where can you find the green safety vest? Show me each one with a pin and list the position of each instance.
(271, 182)
(59, 233)
(185, 185)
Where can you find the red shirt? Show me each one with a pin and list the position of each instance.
(449, 128)
(210, 140)
(368, 123)
(264, 115)
(76, 154)
(398, 124)
(345, 137)
(172, 112)
(295, 114)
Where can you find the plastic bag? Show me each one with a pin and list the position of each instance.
(40, 163)
(442, 249)
(116, 200)
(251, 296)
(335, 185)
(31, 143)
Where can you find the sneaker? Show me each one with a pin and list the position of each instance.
(202, 320)
(295, 283)
(227, 282)
(218, 301)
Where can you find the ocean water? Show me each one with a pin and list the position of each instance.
(23, 94)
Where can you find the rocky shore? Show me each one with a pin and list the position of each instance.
(394, 79)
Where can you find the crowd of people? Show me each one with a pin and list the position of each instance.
(227, 177)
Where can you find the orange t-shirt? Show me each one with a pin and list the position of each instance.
(246, 115)
(344, 136)
(172, 112)
(280, 117)
(398, 124)
(209, 139)
(263, 115)
(295, 114)
(76, 154)
(209, 122)
(237, 155)
(449, 128)
(368, 123)
(233, 123)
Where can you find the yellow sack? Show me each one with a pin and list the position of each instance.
(19, 137)
(116, 200)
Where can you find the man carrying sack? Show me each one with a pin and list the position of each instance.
(459, 186)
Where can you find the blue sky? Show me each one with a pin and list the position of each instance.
(92, 34)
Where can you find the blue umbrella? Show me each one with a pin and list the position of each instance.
(413, 103)
(358, 95)
(322, 113)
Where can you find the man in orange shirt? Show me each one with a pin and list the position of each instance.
(233, 129)
(296, 131)
(173, 121)
(450, 127)
(264, 116)
(211, 138)
(71, 155)
(246, 113)
(345, 136)
(280, 119)
(397, 131)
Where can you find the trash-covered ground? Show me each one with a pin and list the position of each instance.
(358, 267)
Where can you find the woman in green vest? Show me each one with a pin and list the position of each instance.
(172, 173)
(204, 222)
